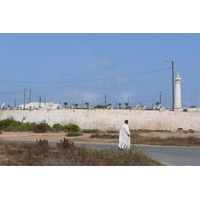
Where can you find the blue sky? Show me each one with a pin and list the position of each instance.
(84, 67)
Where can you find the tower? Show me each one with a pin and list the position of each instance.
(178, 91)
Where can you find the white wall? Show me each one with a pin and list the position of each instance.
(109, 119)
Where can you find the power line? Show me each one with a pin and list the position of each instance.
(3, 93)
(42, 93)
(100, 79)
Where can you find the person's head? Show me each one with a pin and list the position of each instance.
(126, 121)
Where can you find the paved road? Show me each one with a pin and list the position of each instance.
(173, 156)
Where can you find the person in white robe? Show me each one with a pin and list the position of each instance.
(124, 136)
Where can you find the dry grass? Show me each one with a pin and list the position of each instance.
(66, 154)
(136, 138)
(169, 141)
(105, 135)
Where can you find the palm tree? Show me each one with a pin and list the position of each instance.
(126, 104)
(65, 103)
(87, 104)
(76, 105)
(119, 105)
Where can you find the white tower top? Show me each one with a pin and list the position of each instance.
(177, 78)
(178, 91)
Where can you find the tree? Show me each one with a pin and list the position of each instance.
(119, 105)
(76, 105)
(99, 106)
(87, 104)
(65, 103)
(127, 105)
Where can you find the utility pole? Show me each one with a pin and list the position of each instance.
(160, 98)
(15, 103)
(24, 97)
(172, 84)
(40, 99)
(104, 98)
(30, 96)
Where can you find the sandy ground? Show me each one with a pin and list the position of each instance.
(85, 138)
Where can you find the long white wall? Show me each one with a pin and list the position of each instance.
(109, 119)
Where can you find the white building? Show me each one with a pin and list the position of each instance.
(178, 91)
(39, 105)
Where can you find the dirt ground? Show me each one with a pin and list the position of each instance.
(84, 138)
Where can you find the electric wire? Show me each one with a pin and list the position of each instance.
(99, 79)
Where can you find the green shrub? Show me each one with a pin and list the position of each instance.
(65, 128)
(0, 132)
(28, 126)
(57, 127)
(90, 131)
(73, 127)
(5, 123)
(69, 127)
(16, 123)
(73, 134)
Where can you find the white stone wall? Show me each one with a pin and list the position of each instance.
(109, 119)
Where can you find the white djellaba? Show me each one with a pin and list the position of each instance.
(124, 136)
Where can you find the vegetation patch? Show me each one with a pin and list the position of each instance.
(73, 127)
(67, 154)
(189, 131)
(15, 126)
(112, 131)
(169, 141)
(149, 131)
(73, 134)
(105, 135)
(57, 127)
(136, 138)
(40, 128)
(90, 131)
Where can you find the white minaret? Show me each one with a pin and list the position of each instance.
(178, 91)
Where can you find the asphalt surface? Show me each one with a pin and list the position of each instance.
(169, 155)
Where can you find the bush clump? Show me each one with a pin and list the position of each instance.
(40, 128)
(65, 128)
(28, 126)
(5, 123)
(57, 127)
(73, 127)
